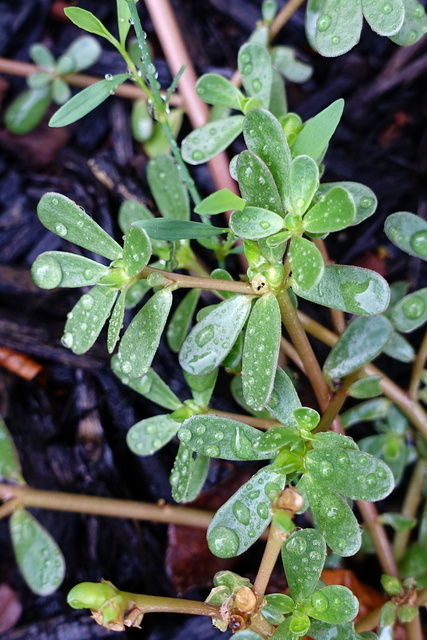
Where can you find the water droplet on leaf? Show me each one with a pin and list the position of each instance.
(223, 542)
(414, 307)
(241, 512)
(418, 242)
(61, 229)
(324, 22)
(205, 336)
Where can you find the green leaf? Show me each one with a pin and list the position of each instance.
(353, 473)
(314, 138)
(261, 350)
(86, 319)
(87, 21)
(333, 604)
(10, 467)
(219, 437)
(136, 292)
(167, 187)
(320, 630)
(213, 337)
(253, 223)
(284, 631)
(278, 105)
(131, 211)
(188, 474)
(141, 123)
(201, 387)
(61, 92)
(84, 52)
(158, 143)
(206, 142)
(361, 342)
(37, 554)
(245, 516)
(254, 64)
(277, 438)
(116, 322)
(332, 440)
(284, 400)
(136, 250)
(303, 183)
(303, 578)
(390, 448)
(41, 56)
(256, 183)
(408, 232)
(283, 58)
(264, 136)
(411, 311)
(333, 27)
(333, 516)
(150, 385)
(365, 412)
(414, 25)
(237, 392)
(87, 100)
(27, 111)
(215, 89)
(364, 198)
(219, 202)
(39, 80)
(414, 563)
(222, 274)
(65, 218)
(181, 320)
(386, 20)
(169, 229)
(123, 20)
(306, 262)
(398, 521)
(141, 340)
(149, 435)
(368, 387)
(336, 211)
(60, 269)
(400, 349)
(351, 289)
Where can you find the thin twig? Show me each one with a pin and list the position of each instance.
(275, 541)
(410, 506)
(417, 369)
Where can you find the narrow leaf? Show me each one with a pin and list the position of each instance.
(384, 19)
(284, 400)
(400, 349)
(316, 133)
(168, 189)
(201, 387)
(136, 250)
(255, 67)
(336, 211)
(188, 474)
(115, 324)
(334, 604)
(60, 269)
(219, 202)
(65, 218)
(87, 21)
(181, 319)
(366, 412)
(150, 435)
(123, 20)
(411, 311)
(253, 223)
(408, 232)
(306, 262)
(10, 467)
(303, 578)
(303, 183)
(257, 184)
(364, 198)
(206, 142)
(169, 229)
(368, 387)
(217, 90)
(278, 105)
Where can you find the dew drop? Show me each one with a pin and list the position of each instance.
(241, 512)
(371, 479)
(366, 202)
(223, 542)
(336, 40)
(55, 201)
(218, 436)
(244, 219)
(412, 36)
(88, 274)
(126, 367)
(197, 155)
(174, 478)
(414, 307)
(242, 446)
(61, 229)
(86, 301)
(387, 8)
(256, 85)
(418, 11)
(263, 511)
(324, 22)
(212, 132)
(296, 545)
(157, 443)
(247, 69)
(108, 76)
(326, 469)
(274, 400)
(204, 336)
(200, 429)
(343, 460)
(319, 601)
(151, 429)
(418, 242)
(47, 272)
(67, 340)
(212, 451)
(185, 435)
(264, 224)
(252, 533)
(253, 495)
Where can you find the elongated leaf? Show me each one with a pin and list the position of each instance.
(333, 516)
(220, 201)
(212, 339)
(150, 385)
(168, 189)
(123, 20)
(253, 223)
(169, 229)
(278, 105)
(60, 269)
(41, 56)
(260, 351)
(334, 604)
(256, 183)
(10, 467)
(136, 250)
(364, 198)
(254, 64)
(222, 274)
(325, 631)
(408, 232)
(38, 556)
(361, 342)
(201, 387)
(264, 136)
(284, 400)
(303, 578)
(150, 435)
(87, 100)
(206, 142)
(277, 438)
(116, 322)
(414, 25)
(219, 437)
(188, 474)
(283, 59)
(336, 211)
(384, 19)
(86, 319)
(87, 21)
(333, 27)
(65, 218)
(141, 340)
(351, 289)
(366, 412)
(306, 262)
(354, 473)
(332, 440)
(303, 183)
(27, 110)
(181, 319)
(244, 517)
(237, 392)
(368, 387)
(84, 52)
(316, 133)
(217, 90)
(411, 311)
(400, 349)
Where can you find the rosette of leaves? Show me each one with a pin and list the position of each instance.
(49, 84)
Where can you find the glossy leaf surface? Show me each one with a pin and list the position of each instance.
(333, 27)
(218, 202)
(303, 578)
(206, 142)
(237, 392)
(334, 604)
(408, 232)
(325, 631)
(150, 435)
(306, 262)
(168, 189)
(87, 21)
(336, 211)
(253, 223)
(136, 250)
(368, 387)
(168, 229)
(260, 351)
(65, 218)
(254, 64)
(181, 319)
(256, 183)
(414, 25)
(364, 198)
(201, 387)
(246, 515)
(141, 340)
(213, 337)
(217, 90)
(303, 183)
(10, 467)
(332, 440)
(115, 324)
(38, 556)
(351, 289)
(411, 311)
(60, 269)
(123, 20)
(316, 133)
(188, 474)
(386, 20)
(284, 399)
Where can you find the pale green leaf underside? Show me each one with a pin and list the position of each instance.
(411, 311)
(408, 232)
(61, 269)
(303, 578)
(284, 400)
(151, 434)
(188, 474)
(217, 90)
(386, 19)
(181, 319)
(414, 25)
(206, 142)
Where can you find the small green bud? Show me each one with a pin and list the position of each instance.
(91, 595)
(406, 613)
(288, 461)
(293, 222)
(391, 585)
(299, 624)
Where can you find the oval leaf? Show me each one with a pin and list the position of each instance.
(303, 183)
(65, 218)
(188, 474)
(168, 189)
(10, 467)
(325, 631)
(364, 198)
(136, 250)
(368, 387)
(27, 111)
(168, 229)
(351, 289)
(219, 437)
(201, 387)
(246, 515)
(306, 262)
(414, 25)
(400, 349)
(213, 337)
(217, 90)
(411, 311)
(181, 319)
(260, 351)
(219, 202)
(284, 400)
(386, 19)
(366, 412)
(38, 556)
(408, 232)
(336, 211)
(334, 604)
(84, 52)
(206, 142)
(303, 578)
(256, 183)
(150, 435)
(333, 27)
(255, 67)
(60, 269)
(253, 223)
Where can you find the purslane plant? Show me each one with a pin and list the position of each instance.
(278, 222)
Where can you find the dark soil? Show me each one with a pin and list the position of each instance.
(70, 423)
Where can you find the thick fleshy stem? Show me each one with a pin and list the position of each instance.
(275, 540)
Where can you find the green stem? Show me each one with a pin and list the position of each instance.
(410, 506)
(417, 369)
(153, 604)
(275, 540)
(196, 282)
